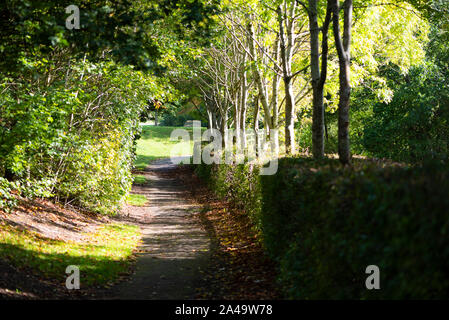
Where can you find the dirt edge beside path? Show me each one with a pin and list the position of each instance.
(239, 268)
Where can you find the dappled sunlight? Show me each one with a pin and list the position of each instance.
(173, 247)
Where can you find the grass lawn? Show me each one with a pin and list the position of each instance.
(155, 144)
(101, 258)
(140, 180)
(138, 200)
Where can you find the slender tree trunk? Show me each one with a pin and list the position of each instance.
(218, 121)
(343, 50)
(256, 123)
(287, 43)
(274, 101)
(317, 111)
(289, 117)
(224, 130)
(244, 102)
(243, 120)
(326, 131)
(237, 136)
(257, 75)
(318, 77)
(210, 119)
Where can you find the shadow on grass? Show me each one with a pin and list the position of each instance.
(94, 270)
(162, 133)
(142, 161)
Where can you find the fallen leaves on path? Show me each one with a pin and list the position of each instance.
(239, 266)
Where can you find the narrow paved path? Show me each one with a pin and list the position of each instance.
(174, 247)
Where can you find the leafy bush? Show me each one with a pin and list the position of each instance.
(175, 120)
(238, 183)
(7, 200)
(325, 224)
(72, 125)
(414, 125)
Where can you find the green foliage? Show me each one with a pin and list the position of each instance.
(325, 224)
(414, 126)
(122, 27)
(68, 129)
(36, 188)
(7, 200)
(395, 218)
(10, 190)
(238, 183)
(304, 133)
(175, 120)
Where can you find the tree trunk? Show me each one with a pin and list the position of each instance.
(257, 75)
(290, 147)
(224, 130)
(343, 50)
(243, 122)
(244, 102)
(274, 102)
(210, 119)
(237, 135)
(318, 77)
(287, 44)
(256, 124)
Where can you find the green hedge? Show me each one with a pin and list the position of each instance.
(325, 224)
(71, 138)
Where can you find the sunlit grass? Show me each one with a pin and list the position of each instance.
(139, 179)
(137, 200)
(101, 258)
(155, 144)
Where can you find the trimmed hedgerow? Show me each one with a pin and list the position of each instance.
(325, 224)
